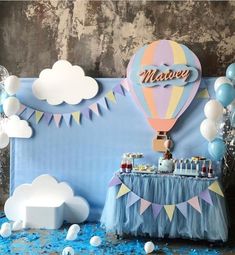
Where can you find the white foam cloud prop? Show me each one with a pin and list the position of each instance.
(64, 83)
(46, 191)
(15, 127)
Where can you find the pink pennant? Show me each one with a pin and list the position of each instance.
(195, 204)
(22, 109)
(132, 198)
(125, 84)
(114, 181)
(57, 118)
(144, 204)
(95, 109)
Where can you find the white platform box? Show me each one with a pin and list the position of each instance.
(44, 216)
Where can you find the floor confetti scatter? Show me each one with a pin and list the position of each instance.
(52, 242)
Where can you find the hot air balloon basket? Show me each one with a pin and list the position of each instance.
(158, 142)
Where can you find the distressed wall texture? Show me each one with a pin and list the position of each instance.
(101, 36)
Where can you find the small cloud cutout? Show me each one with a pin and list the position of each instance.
(15, 127)
(64, 83)
(45, 190)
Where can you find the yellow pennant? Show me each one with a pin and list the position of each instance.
(123, 190)
(38, 116)
(76, 116)
(169, 211)
(216, 188)
(203, 94)
(111, 96)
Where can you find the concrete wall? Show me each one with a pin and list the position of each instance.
(101, 36)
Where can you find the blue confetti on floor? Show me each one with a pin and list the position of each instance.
(52, 242)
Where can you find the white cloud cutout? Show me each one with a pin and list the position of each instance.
(15, 127)
(46, 191)
(64, 83)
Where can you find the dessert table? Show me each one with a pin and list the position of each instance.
(211, 224)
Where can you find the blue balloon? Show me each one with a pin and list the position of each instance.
(217, 148)
(3, 96)
(225, 94)
(230, 71)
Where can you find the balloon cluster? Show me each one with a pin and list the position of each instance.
(212, 127)
(9, 104)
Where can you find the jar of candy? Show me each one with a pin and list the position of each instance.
(123, 166)
(128, 165)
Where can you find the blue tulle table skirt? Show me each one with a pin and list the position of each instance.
(211, 224)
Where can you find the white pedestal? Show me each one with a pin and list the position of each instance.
(44, 216)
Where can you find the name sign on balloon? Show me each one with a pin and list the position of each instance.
(177, 75)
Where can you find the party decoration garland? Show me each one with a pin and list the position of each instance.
(169, 208)
(28, 112)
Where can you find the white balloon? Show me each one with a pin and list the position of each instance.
(208, 129)
(68, 251)
(11, 106)
(149, 247)
(213, 110)
(221, 80)
(95, 241)
(73, 232)
(17, 225)
(11, 84)
(4, 140)
(5, 230)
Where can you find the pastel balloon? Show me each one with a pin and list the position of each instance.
(217, 148)
(149, 247)
(208, 129)
(73, 232)
(164, 102)
(95, 241)
(230, 71)
(225, 94)
(232, 119)
(4, 140)
(168, 144)
(231, 106)
(17, 225)
(68, 251)
(11, 106)
(213, 110)
(11, 84)
(5, 230)
(221, 80)
(3, 97)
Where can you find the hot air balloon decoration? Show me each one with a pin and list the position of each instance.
(163, 78)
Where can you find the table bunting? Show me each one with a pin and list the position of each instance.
(95, 108)
(169, 208)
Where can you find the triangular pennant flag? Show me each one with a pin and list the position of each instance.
(205, 195)
(47, 117)
(111, 96)
(22, 109)
(203, 93)
(144, 204)
(67, 118)
(76, 116)
(122, 191)
(38, 116)
(57, 119)
(95, 109)
(183, 208)
(216, 188)
(28, 113)
(195, 203)
(115, 181)
(156, 208)
(103, 103)
(125, 84)
(86, 113)
(169, 211)
(118, 89)
(132, 198)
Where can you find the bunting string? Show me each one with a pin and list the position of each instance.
(169, 208)
(27, 112)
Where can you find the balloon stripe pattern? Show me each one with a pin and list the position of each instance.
(162, 104)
